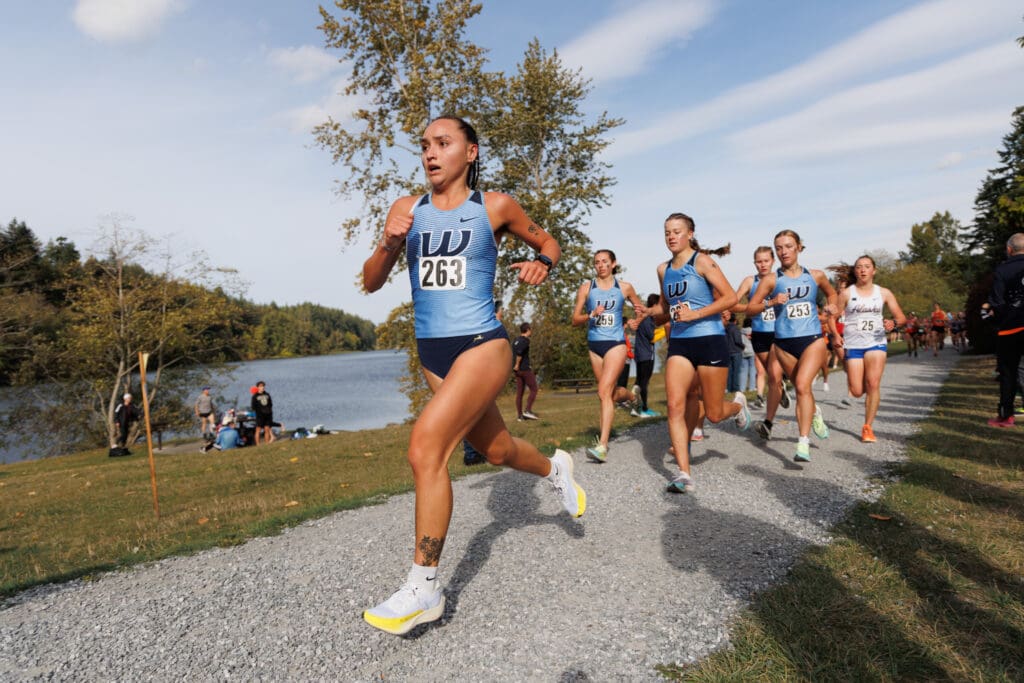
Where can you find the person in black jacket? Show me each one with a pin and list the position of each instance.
(1006, 304)
(263, 407)
(124, 415)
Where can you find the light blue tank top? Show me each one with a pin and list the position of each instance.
(608, 325)
(686, 287)
(798, 317)
(765, 322)
(452, 257)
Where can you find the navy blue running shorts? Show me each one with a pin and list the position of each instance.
(603, 347)
(762, 341)
(438, 354)
(795, 346)
(708, 350)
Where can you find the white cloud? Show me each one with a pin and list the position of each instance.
(622, 45)
(943, 102)
(926, 30)
(117, 21)
(336, 106)
(305, 63)
(950, 160)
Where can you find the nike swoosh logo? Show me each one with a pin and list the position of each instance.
(715, 362)
(466, 220)
(478, 337)
(431, 578)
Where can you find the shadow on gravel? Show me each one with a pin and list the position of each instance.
(805, 496)
(743, 554)
(513, 504)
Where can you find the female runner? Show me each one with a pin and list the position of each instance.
(864, 337)
(694, 294)
(451, 241)
(799, 348)
(599, 305)
(763, 329)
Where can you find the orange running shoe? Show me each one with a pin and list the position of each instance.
(867, 435)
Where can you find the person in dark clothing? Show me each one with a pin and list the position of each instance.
(643, 356)
(734, 339)
(263, 407)
(524, 373)
(124, 415)
(1006, 305)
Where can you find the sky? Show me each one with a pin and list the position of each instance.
(845, 121)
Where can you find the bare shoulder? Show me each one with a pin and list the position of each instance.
(405, 204)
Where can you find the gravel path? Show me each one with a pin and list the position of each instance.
(644, 578)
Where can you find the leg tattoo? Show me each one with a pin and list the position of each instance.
(431, 549)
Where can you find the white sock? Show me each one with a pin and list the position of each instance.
(804, 439)
(424, 578)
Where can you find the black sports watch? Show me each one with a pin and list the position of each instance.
(546, 261)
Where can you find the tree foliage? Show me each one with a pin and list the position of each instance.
(935, 243)
(411, 62)
(547, 155)
(999, 206)
(70, 331)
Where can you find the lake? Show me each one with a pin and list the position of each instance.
(348, 391)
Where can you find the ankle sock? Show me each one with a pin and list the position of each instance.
(423, 577)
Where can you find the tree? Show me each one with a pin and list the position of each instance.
(548, 156)
(117, 310)
(918, 286)
(935, 243)
(999, 206)
(410, 63)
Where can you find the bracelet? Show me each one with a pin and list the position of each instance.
(388, 249)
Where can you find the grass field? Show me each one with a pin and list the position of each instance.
(927, 583)
(75, 515)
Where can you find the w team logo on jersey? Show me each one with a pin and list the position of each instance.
(676, 289)
(445, 247)
(609, 305)
(799, 292)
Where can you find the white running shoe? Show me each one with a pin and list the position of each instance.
(742, 417)
(527, 415)
(407, 608)
(681, 484)
(574, 498)
(818, 425)
(824, 387)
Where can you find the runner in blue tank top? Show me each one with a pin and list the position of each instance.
(799, 348)
(763, 325)
(600, 306)
(451, 238)
(694, 292)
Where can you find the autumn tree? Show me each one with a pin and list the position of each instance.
(935, 243)
(117, 309)
(546, 153)
(410, 61)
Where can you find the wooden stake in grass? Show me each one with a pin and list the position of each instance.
(143, 359)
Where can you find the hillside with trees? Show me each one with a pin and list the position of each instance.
(71, 328)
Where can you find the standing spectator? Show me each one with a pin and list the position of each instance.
(643, 356)
(124, 415)
(263, 407)
(206, 412)
(524, 373)
(735, 342)
(748, 371)
(1006, 304)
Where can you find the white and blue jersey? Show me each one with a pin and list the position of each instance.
(608, 325)
(766, 321)
(798, 317)
(686, 288)
(452, 258)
